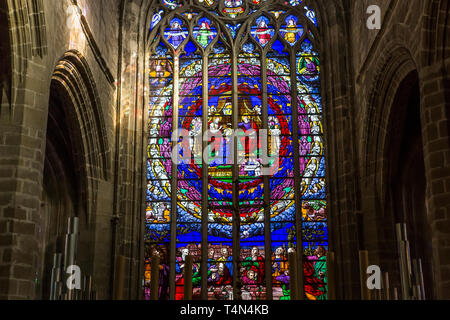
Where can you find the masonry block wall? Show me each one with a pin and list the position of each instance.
(92, 32)
(412, 39)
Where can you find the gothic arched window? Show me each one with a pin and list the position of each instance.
(245, 76)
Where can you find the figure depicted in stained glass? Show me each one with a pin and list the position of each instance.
(195, 134)
(316, 148)
(176, 34)
(314, 211)
(233, 3)
(285, 281)
(163, 274)
(251, 276)
(215, 128)
(316, 125)
(156, 190)
(226, 258)
(161, 252)
(263, 33)
(280, 264)
(312, 283)
(158, 170)
(309, 173)
(211, 256)
(316, 275)
(320, 268)
(309, 68)
(179, 268)
(292, 32)
(255, 263)
(160, 213)
(250, 124)
(196, 276)
(228, 109)
(318, 187)
(248, 140)
(233, 8)
(219, 275)
(247, 124)
(205, 33)
(220, 130)
(275, 136)
(181, 258)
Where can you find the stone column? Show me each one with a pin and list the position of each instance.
(435, 112)
(22, 144)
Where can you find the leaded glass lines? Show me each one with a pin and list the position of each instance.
(235, 211)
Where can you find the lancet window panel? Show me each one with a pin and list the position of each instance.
(235, 70)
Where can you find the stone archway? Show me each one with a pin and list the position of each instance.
(75, 161)
(63, 175)
(405, 173)
(392, 119)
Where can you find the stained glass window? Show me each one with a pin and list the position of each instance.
(236, 153)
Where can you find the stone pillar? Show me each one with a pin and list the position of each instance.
(119, 287)
(435, 113)
(331, 275)
(22, 145)
(188, 278)
(154, 286)
(363, 265)
(293, 272)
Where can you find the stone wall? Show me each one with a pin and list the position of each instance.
(413, 39)
(42, 31)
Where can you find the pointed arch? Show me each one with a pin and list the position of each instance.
(260, 72)
(73, 79)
